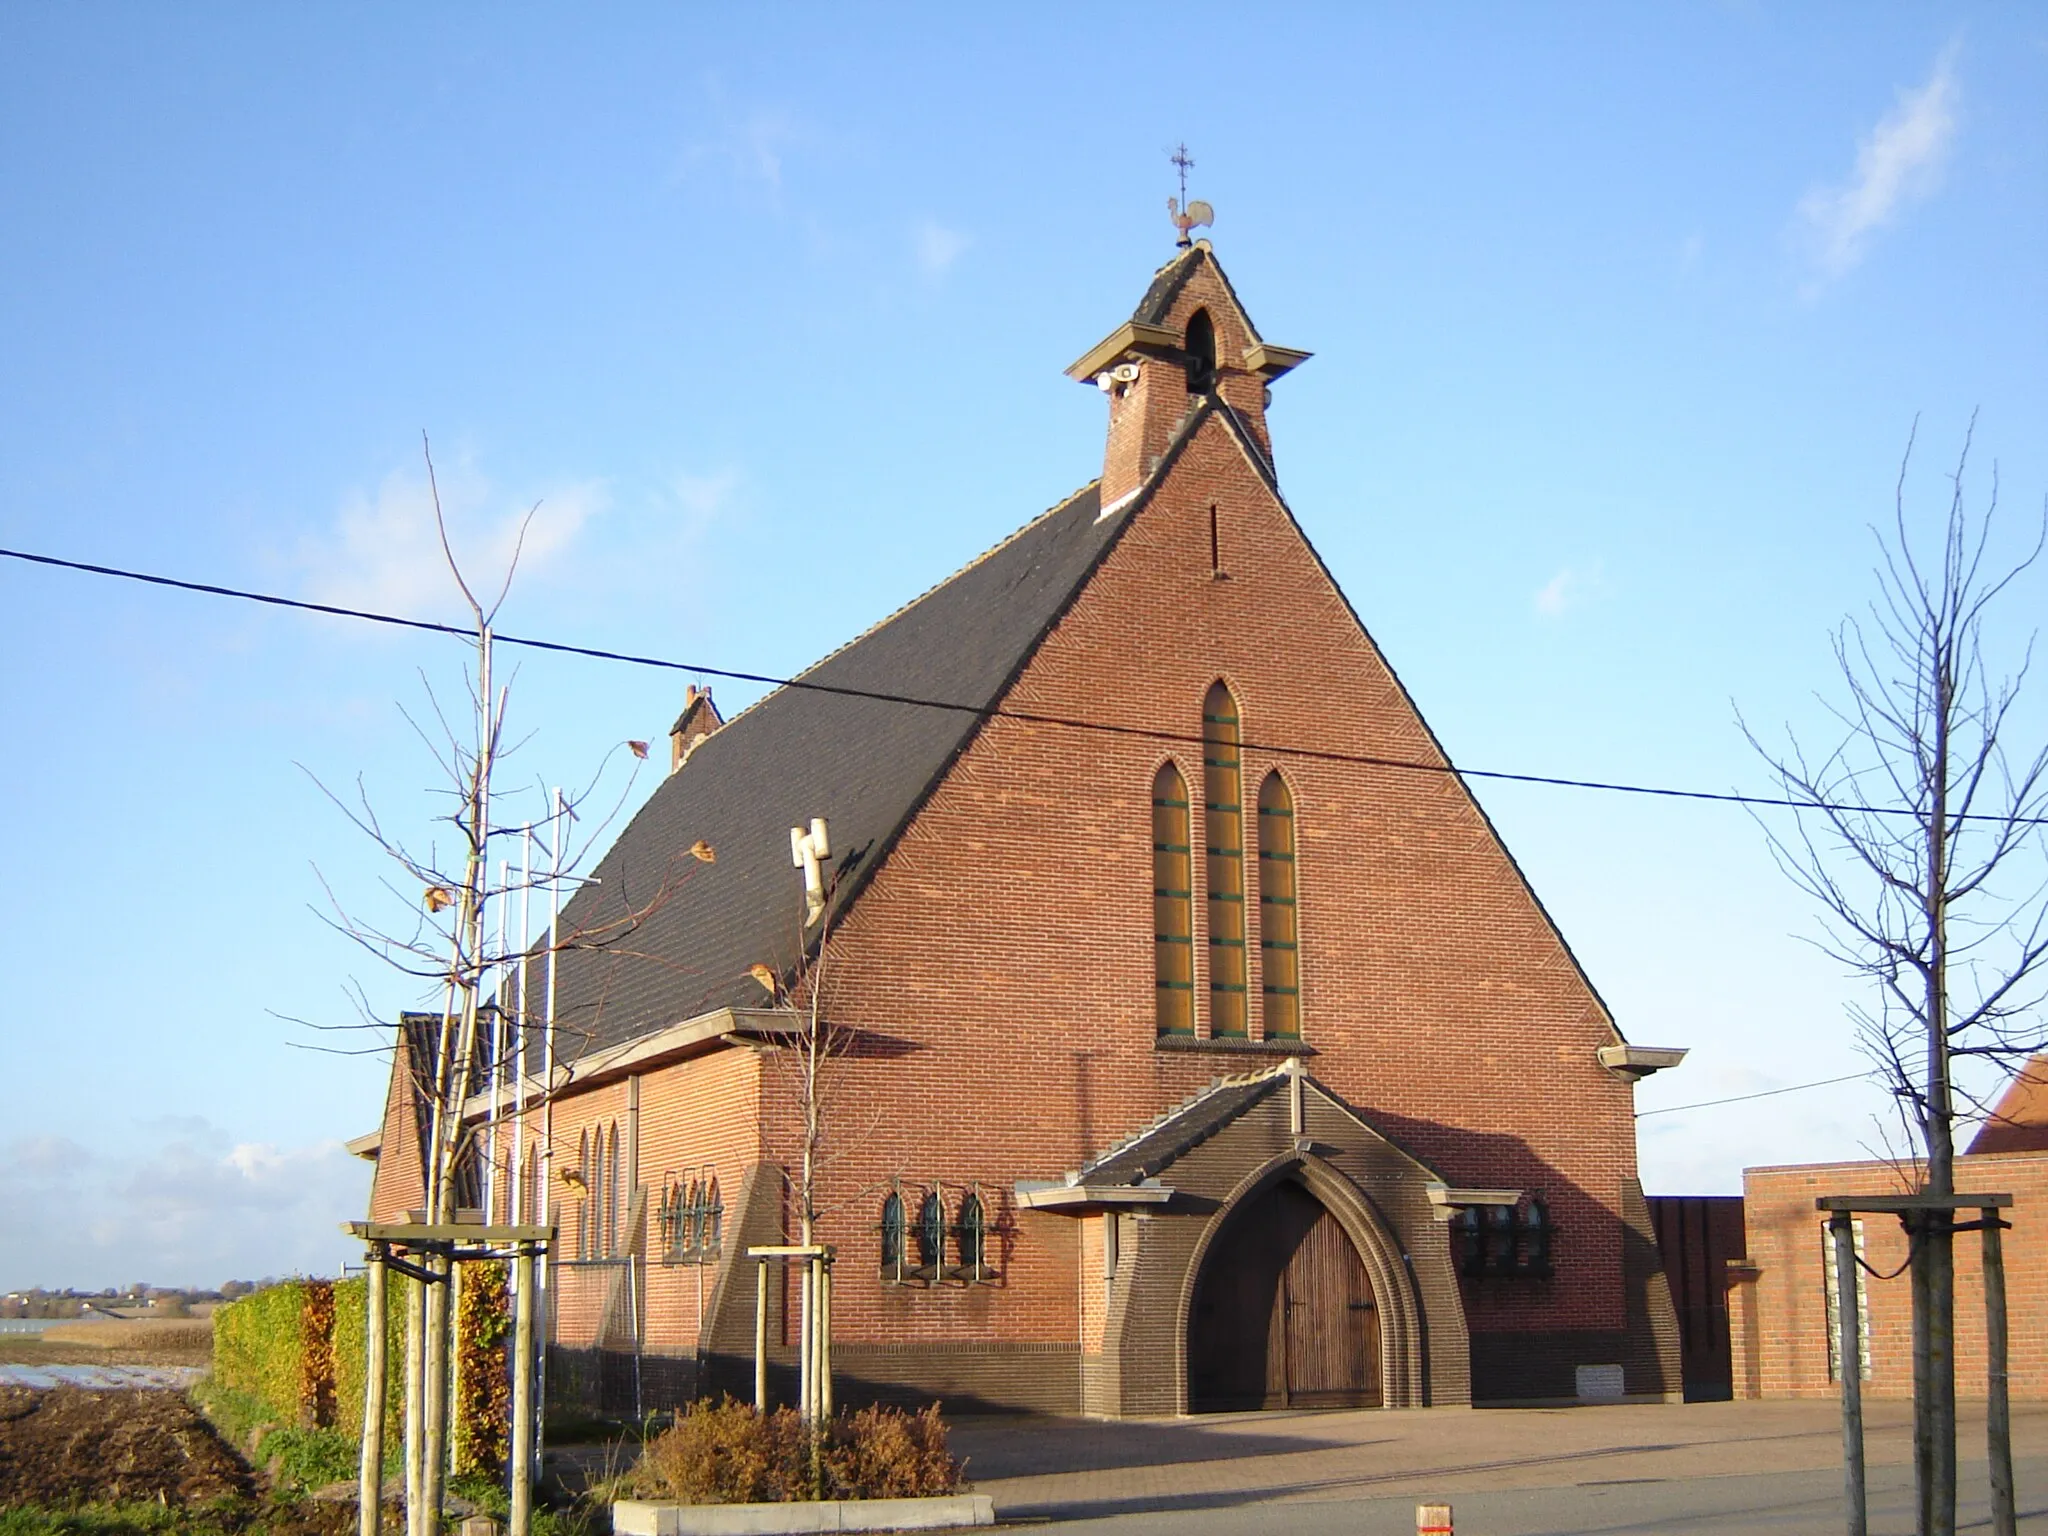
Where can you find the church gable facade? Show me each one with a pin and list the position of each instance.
(1209, 1049)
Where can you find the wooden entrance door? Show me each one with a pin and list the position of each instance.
(1284, 1312)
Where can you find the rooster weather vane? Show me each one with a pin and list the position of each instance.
(1186, 215)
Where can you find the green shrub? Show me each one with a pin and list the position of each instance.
(311, 1458)
(237, 1416)
(726, 1453)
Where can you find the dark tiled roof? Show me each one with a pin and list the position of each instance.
(1179, 1131)
(1168, 281)
(864, 764)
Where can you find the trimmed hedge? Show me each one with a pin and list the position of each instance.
(290, 1358)
(483, 1389)
(259, 1349)
(351, 1309)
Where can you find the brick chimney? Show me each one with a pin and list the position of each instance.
(699, 719)
(1188, 342)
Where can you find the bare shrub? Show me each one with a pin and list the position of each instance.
(726, 1453)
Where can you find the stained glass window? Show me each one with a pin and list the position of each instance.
(1173, 941)
(931, 1234)
(1223, 838)
(1278, 957)
(892, 1236)
(972, 1239)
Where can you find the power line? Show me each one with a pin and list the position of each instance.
(980, 711)
(1743, 1098)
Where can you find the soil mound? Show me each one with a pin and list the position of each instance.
(70, 1446)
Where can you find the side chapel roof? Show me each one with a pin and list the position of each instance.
(865, 764)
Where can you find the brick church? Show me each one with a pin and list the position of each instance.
(1207, 1049)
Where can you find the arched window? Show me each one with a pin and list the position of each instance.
(1173, 916)
(587, 1171)
(971, 1239)
(1223, 837)
(892, 1236)
(1278, 953)
(931, 1235)
(711, 1221)
(1201, 351)
(615, 1219)
(1536, 1237)
(601, 1197)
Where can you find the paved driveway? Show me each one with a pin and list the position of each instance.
(1696, 1468)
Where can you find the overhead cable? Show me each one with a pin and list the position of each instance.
(985, 711)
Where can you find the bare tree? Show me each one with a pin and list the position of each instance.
(809, 1046)
(1920, 840)
(479, 975)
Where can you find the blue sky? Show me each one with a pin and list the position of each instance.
(1622, 316)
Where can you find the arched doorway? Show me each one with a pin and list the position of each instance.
(1284, 1314)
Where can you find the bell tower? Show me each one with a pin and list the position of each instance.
(1188, 342)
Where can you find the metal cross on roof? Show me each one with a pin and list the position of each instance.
(1186, 215)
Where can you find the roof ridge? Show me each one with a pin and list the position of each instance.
(883, 623)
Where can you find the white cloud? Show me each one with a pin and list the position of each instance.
(938, 247)
(189, 1206)
(750, 143)
(1900, 161)
(1565, 591)
(383, 551)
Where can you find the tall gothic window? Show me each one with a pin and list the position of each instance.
(615, 1179)
(1223, 837)
(1278, 955)
(892, 1236)
(1173, 935)
(584, 1207)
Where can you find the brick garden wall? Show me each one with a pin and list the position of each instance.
(1778, 1318)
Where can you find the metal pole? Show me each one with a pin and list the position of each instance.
(544, 1182)
(761, 1337)
(370, 1481)
(1841, 1226)
(520, 1197)
(1998, 1408)
(522, 1393)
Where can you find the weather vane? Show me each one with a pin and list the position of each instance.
(1187, 215)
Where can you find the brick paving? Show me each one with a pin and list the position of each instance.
(1658, 1461)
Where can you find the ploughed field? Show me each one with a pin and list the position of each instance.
(65, 1446)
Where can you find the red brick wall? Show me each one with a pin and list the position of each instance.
(399, 1184)
(1007, 942)
(1779, 1318)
